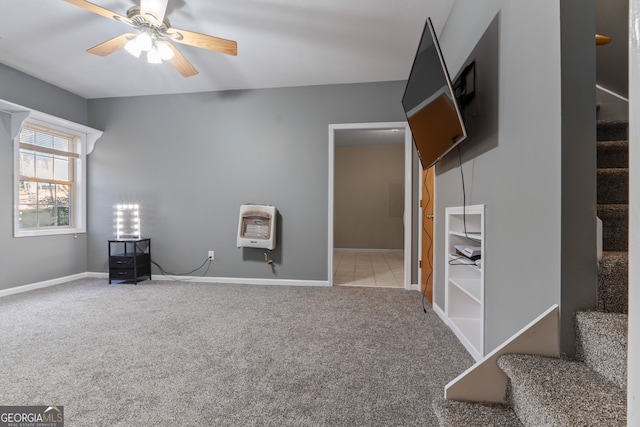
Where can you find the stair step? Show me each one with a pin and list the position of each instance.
(547, 391)
(613, 154)
(601, 340)
(612, 130)
(613, 185)
(615, 226)
(457, 414)
(613, 289)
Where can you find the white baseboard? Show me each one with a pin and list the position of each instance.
(222, 280)
(228, 280)
(43, 284)
(414, 287)
(243, 281)
(367, 250)
(440, 314)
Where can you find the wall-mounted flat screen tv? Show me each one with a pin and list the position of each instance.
(430, 103)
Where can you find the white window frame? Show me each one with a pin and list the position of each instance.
(12, 116)
(79, 194)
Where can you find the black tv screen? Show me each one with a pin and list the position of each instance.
(430, 103)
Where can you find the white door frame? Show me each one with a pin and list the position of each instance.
(633, 366)
(408, 175)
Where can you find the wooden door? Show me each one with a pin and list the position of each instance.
(426, 261)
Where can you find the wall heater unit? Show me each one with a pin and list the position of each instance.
(257, 227)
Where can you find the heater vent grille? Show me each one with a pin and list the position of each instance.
(256, 227)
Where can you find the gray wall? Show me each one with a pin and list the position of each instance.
(191, 160)
(369, 196)
(517, 160)
(578, 215)
(28, 260)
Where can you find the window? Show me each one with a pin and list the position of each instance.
(49, 180)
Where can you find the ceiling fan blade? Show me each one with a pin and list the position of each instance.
(180, 63)
(155, 8)
(203, 41)
(110, 46)
(99, 10)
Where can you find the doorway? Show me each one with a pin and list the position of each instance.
(376, 131)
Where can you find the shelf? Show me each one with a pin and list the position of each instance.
(470, 287)
(464, 280)
(460, 260)
(469, 235)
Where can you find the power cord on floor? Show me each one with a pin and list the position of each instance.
(164, 272)
(168, 273)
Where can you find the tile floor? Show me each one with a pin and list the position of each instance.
(368, 268)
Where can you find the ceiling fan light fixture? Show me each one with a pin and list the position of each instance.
(141, 42)
(165, 51)
(144, 40)
(133, 48)
(155, 35)
(154, 56)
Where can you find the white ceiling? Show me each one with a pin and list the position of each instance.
(281, 43)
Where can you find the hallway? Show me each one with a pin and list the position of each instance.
(368, 268)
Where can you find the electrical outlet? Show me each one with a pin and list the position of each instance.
(211, 255)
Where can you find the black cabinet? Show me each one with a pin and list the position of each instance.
(130, 260)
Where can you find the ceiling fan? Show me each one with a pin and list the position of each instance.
(155, 36)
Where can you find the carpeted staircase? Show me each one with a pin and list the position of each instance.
(589, 390)
(613, 210)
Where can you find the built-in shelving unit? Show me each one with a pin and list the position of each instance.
(464, 287)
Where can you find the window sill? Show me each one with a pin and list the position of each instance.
(49, 232)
